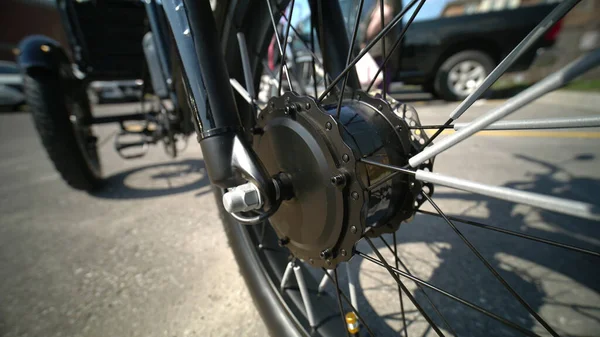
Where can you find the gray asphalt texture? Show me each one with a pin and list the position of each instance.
(146, 256)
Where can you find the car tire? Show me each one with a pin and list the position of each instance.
(441, 83)
(69, 141)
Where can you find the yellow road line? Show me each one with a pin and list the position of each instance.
(531, 133)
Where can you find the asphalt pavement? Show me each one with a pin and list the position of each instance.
(146, 256)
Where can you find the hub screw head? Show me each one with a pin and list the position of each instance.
(338, 180)
(307, 106)
(353, 229)
(379, 107)
(345, 158)
(328, 262)
(328, 126)
(325, 254)
(283, 241)
(343, 252)
(354, 195)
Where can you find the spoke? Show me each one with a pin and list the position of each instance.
(389, 167)
(394, 252)
(321, 36)
(491, 269)
(304, 294)
(400, 289)
(350, 304)
(406, 291)
(520, 49)
(395, 46)
(248, 78)
(550, 203)
(278, 39)
(513, 233)
(339, 300)
(283, 53)
(382, 181)
(446, 125)
(547, 123)
(351, 287)
(426, 127)
(312, 46)
(381, 34)
(306, 46)
(382, 18)
(550, 83)
(262, 235)
(350, 52)
(451, 296)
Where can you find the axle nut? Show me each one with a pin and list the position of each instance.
(242, 198)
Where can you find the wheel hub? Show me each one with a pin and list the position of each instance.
(332, 204)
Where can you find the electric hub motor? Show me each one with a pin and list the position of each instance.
(336, 199)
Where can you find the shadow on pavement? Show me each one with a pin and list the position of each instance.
(561, 285)
(157, 180)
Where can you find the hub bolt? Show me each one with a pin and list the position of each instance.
(355, 195)
(328, 126)
(325, 254)
(307, 106)
(353, 229)
(345, 158)
(343, 251)
(338, 180)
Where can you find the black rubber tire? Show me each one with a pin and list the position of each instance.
(276, 316)
(440, 85)
(280, 318)
(50, 108)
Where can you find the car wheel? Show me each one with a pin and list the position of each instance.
(461, 74)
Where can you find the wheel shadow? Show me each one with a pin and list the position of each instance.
(157, 180)
(561, 285)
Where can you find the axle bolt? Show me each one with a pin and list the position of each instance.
(325, 254)
(307, 106)
(343, 251)
(328, 126)
(345, 158)
(354, 195)
(353, 229)
(283, 241)
(338, 180)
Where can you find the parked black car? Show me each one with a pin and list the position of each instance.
(450, 56)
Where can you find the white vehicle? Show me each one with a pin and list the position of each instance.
(11, 85)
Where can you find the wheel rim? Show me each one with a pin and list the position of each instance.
(265, 242)
(465, 77)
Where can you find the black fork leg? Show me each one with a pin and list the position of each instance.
(210, 94)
